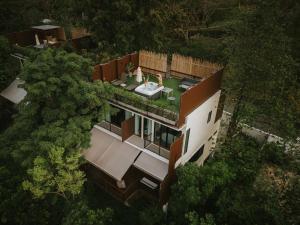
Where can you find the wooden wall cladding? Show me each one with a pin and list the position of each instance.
(23, 38)
(79, 32)
(127, 128)
(61, 35)
(198, 94)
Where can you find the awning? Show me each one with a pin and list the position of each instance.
(13, 93)
(109, 154)
(153, 166)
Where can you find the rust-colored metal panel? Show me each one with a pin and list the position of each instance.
(97, 73)
(175, 153)
(134, 58)
(165, 186)
(22, 38)
(105, 68)
(113, 66)
(127, 128)
(121, 64)
(109, 71)
(198, 94)
(220, 107)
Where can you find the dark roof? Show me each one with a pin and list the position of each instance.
(45, 27)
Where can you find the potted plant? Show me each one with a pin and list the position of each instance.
(129, 68)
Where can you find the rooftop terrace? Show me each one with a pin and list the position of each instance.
(185, 84)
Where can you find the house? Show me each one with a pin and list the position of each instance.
(154, 128)
(38, 36)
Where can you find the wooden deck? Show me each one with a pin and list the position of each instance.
(134, 189)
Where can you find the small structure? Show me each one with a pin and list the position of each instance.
(54, 35)
(14, 93)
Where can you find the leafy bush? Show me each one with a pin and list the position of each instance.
(7, 67)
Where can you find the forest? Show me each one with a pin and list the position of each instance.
(41, 139)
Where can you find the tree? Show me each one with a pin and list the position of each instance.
(263, 72)
(194, 187)
(244, 184)
(56, 117)
(195, 220)
(81, 214)
(42, 148)
(56, 174)
(7, 67)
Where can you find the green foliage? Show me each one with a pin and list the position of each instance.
(137, 101)
(194, 187)
(262, 71)
(47, 137)
(81, 214)
(195, 220)
(152, 216)
(245, 183)
(57, 173)
(55, 121)
(8, 68)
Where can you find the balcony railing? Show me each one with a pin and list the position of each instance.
(151, 146)
(146, 105)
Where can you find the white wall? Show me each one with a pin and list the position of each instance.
(200, 130)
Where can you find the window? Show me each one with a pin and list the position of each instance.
(209, 116)
(186, 143)
(164, 136)
(197, 155)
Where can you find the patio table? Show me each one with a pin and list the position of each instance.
(167, 91)
(172, 99)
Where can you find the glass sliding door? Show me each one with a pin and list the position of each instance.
(137, 125)
(128, 115)
(163, 139)
(147, 131)
(147, 128)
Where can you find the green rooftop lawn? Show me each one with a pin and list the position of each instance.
(170, 82)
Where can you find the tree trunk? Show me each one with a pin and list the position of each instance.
(233, 125)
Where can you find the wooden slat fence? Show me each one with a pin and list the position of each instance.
(153, 62)
(183, 66)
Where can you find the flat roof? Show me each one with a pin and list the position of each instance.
(109, 154)
(13, 93)
(45, 27)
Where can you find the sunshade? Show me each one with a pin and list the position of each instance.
(109, 154)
